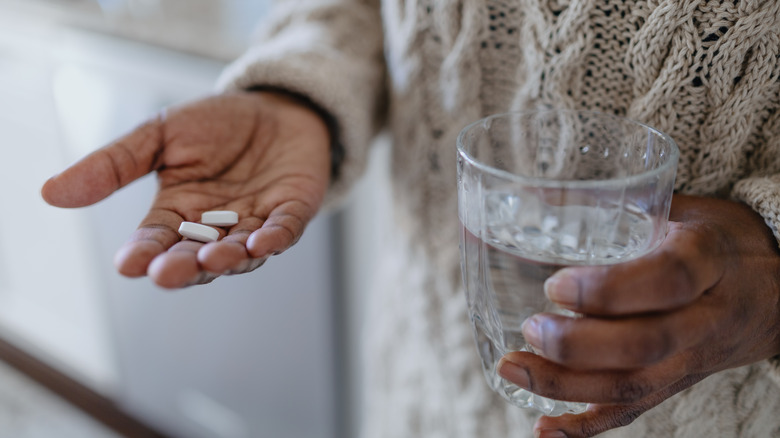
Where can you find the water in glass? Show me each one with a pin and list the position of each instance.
(519, 246)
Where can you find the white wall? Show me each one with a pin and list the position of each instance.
(365, 222)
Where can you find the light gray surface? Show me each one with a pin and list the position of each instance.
(28, 410)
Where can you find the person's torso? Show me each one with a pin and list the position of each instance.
(704, 72)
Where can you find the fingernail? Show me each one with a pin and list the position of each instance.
(514, 373)
(548, 433)
(532, 331)
(563, 289)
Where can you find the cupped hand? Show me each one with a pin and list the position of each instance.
(262, 154)
(707, 300)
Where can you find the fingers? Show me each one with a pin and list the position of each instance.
(281, 230)
(229, 255)
(252, 241)
(625, 343)
(551, 380)
(155, 235)
(600, 418)
(106, 170)
(156, 249)
(178, 267)
(679, 271)
(188, 262)
(146, 243)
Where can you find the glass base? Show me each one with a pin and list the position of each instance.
(512, 393)
(526, 399)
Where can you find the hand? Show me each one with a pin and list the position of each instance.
(706, 300)
(262, 155)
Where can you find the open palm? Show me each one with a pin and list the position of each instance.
(262, 155)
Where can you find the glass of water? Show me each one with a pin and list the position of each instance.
(540, 191)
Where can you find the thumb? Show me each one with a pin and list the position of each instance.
(108, 169)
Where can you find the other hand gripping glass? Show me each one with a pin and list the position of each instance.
(540, 191)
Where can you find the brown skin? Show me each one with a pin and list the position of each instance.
(707, 300)
(262, 155)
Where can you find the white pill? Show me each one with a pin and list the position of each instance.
(220, 218)
(201, 233)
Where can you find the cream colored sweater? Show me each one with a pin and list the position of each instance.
(705, 71)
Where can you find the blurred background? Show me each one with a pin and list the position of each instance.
(87, 353)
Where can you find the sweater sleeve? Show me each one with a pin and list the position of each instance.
(331, 52)
(761, 188)
(762, 193)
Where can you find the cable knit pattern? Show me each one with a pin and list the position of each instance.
(707, 72)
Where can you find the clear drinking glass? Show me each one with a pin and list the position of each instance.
(543, 190)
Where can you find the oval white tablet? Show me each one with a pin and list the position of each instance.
(201, 233)
(219, 218)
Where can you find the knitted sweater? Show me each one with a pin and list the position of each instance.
(707, 72)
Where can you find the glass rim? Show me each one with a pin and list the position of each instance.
(674, 154)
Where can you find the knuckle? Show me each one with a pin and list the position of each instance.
(605, 286)
(291, 222)
(247, 265)
(627, 416)
(628, 391)
(286, 227)
(548, 386)
(204, 278)
(600, 300)
(624, 417)
(649, 347)
(558, 340)
(679, 273)
(300, 209)
(591, 429)
(616, 417)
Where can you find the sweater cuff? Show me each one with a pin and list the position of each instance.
(347, 99)
(763, 195)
